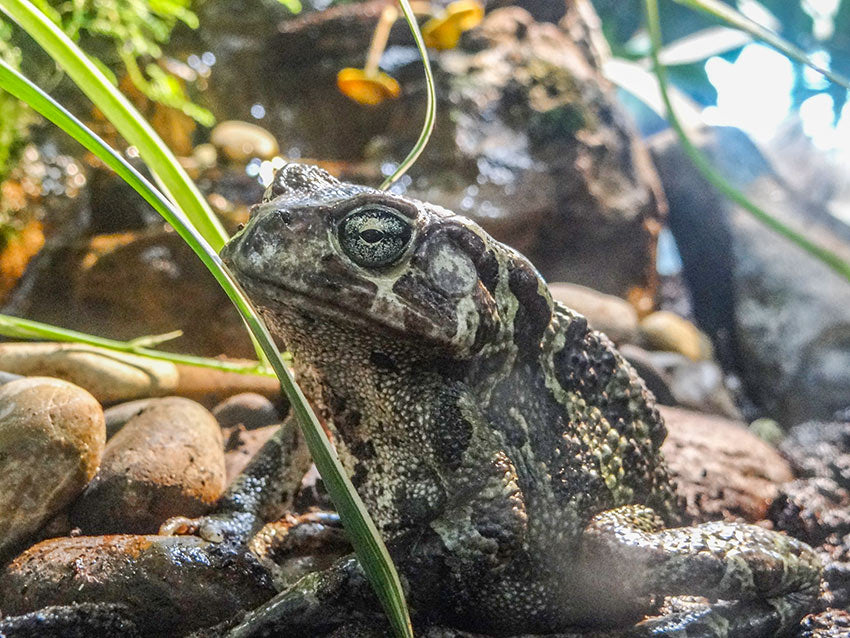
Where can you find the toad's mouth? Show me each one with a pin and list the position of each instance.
(271, 296)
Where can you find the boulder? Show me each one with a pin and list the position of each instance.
(777, 314)
(52, 435)
(166, 461)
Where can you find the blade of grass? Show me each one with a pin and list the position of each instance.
(363, 534)
(430, 105)
(736, 19)
(713, 175)
(17, 328)
(121, 113)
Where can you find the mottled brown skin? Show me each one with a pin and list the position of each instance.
(508, 454)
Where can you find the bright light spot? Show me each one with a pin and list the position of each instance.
(208, 58)
(258, 111)
(388, 168)
(668, 260)
(754, 92)
(823, 15)
(267, 173)
(817, 116)
(816, 80)
(253, 167)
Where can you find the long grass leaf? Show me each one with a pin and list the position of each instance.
(736, 19)
(18, 328)
(431, 100)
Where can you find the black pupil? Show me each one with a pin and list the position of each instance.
(374, 237)
(371, 235)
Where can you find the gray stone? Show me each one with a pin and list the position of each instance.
(51, 441)
(676, 380)
(249, 409)
(166, 461)
(110, 376)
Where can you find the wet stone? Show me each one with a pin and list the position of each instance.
(169, 585)
(110, 376)
(814, 510)
(832, 623)
(820, 449)
(166, 461)
(71, 621)
(249, 409)
(51, 440)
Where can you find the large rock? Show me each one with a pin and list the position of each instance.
(168, 585)
(110, 376)
(722, 470)
(166, 461)
(51, 440)
(776, 313)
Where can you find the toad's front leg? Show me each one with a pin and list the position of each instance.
(262, 493)
(768, 581)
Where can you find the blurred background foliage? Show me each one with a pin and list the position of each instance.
(123, 36)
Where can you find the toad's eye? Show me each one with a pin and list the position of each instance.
(374, 236)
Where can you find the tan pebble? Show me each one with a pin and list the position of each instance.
(52, 437)
(669, 332)
(211, 387)
(241, 141)
(110, 376)
(166, 461)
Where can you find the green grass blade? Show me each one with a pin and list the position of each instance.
(712, 174)
(430, 106)
(363, 534)
(734, 18)
(17, 328)
(118, 110)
